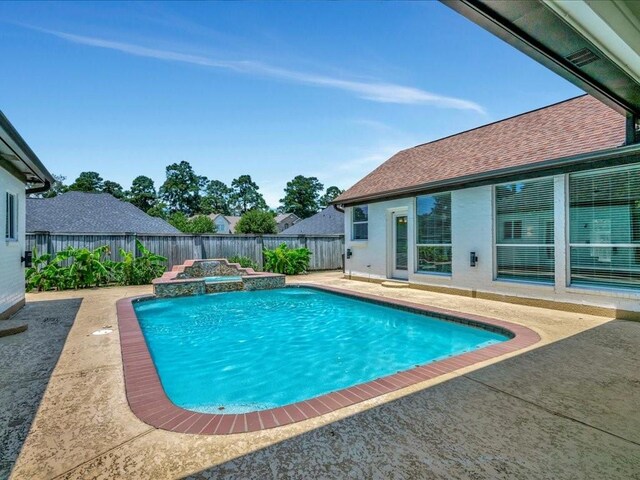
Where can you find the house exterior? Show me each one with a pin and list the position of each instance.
(329, 221)
(542, 208)
(226, 224)
(82, 212)
(286, 220)
(21, 172)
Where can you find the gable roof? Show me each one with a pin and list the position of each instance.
(283, 216)
(80, 212)
(326, 222)
(574, 127)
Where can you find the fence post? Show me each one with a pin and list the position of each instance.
(260, 245)
(42, 242)
(130, 242)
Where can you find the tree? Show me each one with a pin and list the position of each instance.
(302, 196)
(87, 182)
(159, 210)
(245, 195)
(216, 198)
(142, 193)
(329, 195)
(113, 188)
(180, 221)
(201, 224)
(181, 189)
(257, 221)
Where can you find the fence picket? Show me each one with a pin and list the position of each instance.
(326, 250)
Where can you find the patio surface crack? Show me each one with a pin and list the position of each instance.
(552, 412)
(61, 475)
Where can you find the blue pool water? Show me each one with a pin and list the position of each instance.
(245, 351)
(228, 278)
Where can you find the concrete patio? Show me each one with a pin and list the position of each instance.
(565, 409)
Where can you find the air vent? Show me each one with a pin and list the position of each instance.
(582, 57)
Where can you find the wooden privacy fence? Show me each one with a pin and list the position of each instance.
(327, 250)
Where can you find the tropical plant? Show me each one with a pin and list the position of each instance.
(91, 268)
(87, 268)
(290, 261)
(44, 273)
(245, 262)
(139, 270)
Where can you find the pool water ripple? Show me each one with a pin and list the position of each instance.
(245, 351)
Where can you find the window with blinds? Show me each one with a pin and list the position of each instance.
(360, 223)
(524, 231)
(433, 233)
(604, 227)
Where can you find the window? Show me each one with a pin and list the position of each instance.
(11, 225)
(221, 227)
(433, 233)
(512, 229)
(524, 231)
(604, 227)
(360, 223)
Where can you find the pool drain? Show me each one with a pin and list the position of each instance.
(102, 331)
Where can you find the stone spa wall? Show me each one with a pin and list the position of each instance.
(189, 279)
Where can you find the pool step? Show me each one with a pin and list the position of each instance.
(395, 284)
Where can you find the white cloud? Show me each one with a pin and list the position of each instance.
(375, 91)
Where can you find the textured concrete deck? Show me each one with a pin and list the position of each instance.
(27, 360)
(572, 417)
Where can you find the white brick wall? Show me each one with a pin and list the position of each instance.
(472, 231)
(11, 269)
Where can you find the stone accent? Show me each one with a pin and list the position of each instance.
(219, 287)
(188, 279)
(263, 282)
(179, 288)
(213, 268)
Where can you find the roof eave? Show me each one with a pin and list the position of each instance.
(33, 169)
(533, 27)
(623, 154)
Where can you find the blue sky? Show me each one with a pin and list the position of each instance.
(270, 89)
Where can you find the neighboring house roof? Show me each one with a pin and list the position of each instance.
(18, 158)
(327, 222)
(80, 212)
(571, 128)
(284, 216)
(233, 221)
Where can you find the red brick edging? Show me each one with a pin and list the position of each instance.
(150, 404)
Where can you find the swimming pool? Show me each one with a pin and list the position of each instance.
(243, 352)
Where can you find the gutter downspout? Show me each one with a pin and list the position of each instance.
(45, 187)
(338, 208)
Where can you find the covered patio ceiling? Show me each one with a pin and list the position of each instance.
(593, 44)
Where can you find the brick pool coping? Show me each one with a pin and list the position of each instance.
(149, 402)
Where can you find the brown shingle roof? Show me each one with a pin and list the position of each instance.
(573, 127)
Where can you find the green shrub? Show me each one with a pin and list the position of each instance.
(257, 221)
(201, 224)
(90, 268)
(290, 261)
(245, 262)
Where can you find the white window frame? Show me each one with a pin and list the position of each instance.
(440, 245)
(360, 222)
(569, 244)
(494, 235)
(11, 218)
